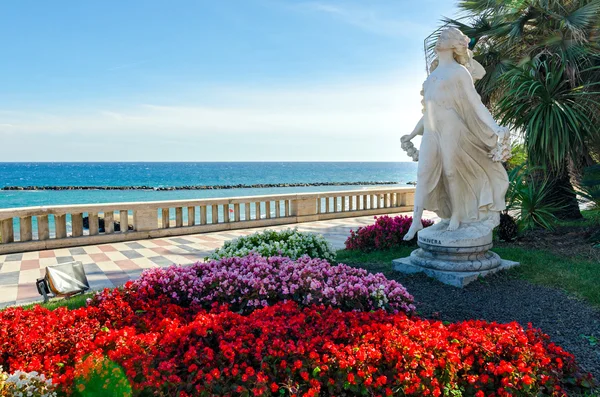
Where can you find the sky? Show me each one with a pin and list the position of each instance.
(195, 80)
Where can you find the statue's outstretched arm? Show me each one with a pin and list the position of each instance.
(417, 131)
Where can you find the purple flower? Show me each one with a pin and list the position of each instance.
(255, 281)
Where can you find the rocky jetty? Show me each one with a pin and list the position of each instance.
(200, 187)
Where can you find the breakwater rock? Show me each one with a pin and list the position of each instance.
(198, 187)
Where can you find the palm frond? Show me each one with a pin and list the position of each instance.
(555, 117)
(582, 18)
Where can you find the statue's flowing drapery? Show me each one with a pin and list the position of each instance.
(459, 133)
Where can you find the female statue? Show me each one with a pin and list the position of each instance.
(460, 176)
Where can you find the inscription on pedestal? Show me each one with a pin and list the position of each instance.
(430, 241)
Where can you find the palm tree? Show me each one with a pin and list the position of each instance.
(542, 61)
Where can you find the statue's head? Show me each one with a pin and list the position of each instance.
(453, 39)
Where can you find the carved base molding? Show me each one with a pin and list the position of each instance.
(454, 257)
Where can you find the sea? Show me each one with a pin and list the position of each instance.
(167, 174)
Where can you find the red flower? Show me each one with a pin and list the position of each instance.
(164, 348)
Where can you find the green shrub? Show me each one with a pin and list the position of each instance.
(529, 199)
(288, 242)
(507, 229)
(99, 376)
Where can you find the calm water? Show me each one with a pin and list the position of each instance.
(178, 174)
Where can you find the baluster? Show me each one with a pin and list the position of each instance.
(191, 216)
(287, 208)
(60, 225)
(43, 229)
(257, 205)
(215, 214)
(8, 234)
(124, 221)
(403, 197)
(77, 225)
(277, 209)
(365, 198)
(203, 219)
(236, 212)
(268, 209)
(178, 216)
(166, 222)
(343, 203)
(226, 213)
(93, 221)
(25, 227)
(246, 211)
(109, 222)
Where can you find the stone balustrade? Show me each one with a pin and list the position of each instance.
(50, 227)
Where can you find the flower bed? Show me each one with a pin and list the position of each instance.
(385, 233)
(284, 349)
(288, 242)
(254, 281)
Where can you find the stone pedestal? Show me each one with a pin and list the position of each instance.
(454, 257)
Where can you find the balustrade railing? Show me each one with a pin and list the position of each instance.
(46, 227)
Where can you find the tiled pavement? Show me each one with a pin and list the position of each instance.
(111, 265)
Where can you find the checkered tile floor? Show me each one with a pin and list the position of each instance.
(112, 265)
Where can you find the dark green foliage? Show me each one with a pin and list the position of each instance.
(590, 184)
(555, 116)
(508, 229)
(529, 198)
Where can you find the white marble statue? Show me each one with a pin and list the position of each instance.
(460, 175)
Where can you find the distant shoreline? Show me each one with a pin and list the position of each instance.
(198, 187)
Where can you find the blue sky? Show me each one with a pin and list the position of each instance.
(236, 80)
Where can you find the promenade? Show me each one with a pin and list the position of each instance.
(112, 265)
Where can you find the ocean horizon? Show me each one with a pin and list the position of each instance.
(173, 174)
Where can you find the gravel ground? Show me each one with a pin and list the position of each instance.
(502, 298)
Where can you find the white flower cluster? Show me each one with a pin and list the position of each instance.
(25, 384)
(380, 296)
(288, 242)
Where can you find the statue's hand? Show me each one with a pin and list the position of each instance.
(409, 148)
(502, 133)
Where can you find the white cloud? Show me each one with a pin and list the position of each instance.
(378, 20)
(350, 121)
